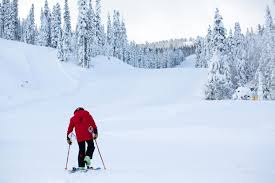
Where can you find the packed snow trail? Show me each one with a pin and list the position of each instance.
(154, 125)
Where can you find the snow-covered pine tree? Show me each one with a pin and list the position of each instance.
(218, 33)
(209, 47)
(44, 32)
(41, 15)
(82, 34)
(67, 34)
(272, 87)
(99, 33)
(117, 35)
(11, 17)
(133, 54)
(22, 30)
(260, 87)
(15, 19)
(1, 21)
(47, 24)
(252, 54)
(260, 29)
(267, 51)
(55, 25)
(240, 56)
(39, 38)
(36, 30)
(104, 41)
(67, 18)
(124, 42)
(29, 35)
(219, 85)
(8, 24)
(272, 82)
(204, 62)
(91, 32)
(110, 37)
(230, 43)
(199, 50)
(60, 50)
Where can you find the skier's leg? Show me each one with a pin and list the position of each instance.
(90, 149)
(81, 154)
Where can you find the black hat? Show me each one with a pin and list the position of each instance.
(79, 109)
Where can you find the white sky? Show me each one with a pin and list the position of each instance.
(154, 20)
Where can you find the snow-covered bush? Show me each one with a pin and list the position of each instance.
(242, 93)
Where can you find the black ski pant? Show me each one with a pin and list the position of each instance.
(82, 151)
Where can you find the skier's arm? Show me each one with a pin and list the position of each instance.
(92, 123)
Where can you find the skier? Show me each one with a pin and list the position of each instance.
(86, 131)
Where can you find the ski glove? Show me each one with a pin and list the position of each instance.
(69, 141)
(95, 135)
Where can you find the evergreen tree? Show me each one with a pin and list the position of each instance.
(29, 35)
(268, 19)
(44, 32)
(55, 25)
(110, 37)
(208, 46)
(231, 58)
(99, 31)
(219, 33)
(15, 20)
(82, 34)
(60, 50)
(272, 88)
(1, 21)
(267, 58)
(93, 49)
(118, 52)
(124, 41)
(240, 56)
(11, 17)
(260, 87)
(47, 24)
(22, 30)
(36, 30)
(67, 18)
(8, 21)
(67, 35)
(199, 50)
(104, 41)
(41, 14)
(219, 84)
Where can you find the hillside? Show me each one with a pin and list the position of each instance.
(154, 125)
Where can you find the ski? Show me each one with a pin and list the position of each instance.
(74, 169)
(92, 168)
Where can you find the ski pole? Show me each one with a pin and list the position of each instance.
(68, 157)
(100, 154)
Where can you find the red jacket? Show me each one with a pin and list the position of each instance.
(81, 121)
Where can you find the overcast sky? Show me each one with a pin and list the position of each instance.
(153, 20)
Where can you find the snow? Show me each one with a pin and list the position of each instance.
(154, 125)
(189, 62)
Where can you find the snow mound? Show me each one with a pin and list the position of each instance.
(30, 73)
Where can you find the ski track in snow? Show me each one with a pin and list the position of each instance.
(154, 125)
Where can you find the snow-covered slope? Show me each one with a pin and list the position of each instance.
(27, 74)
(154, 125)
